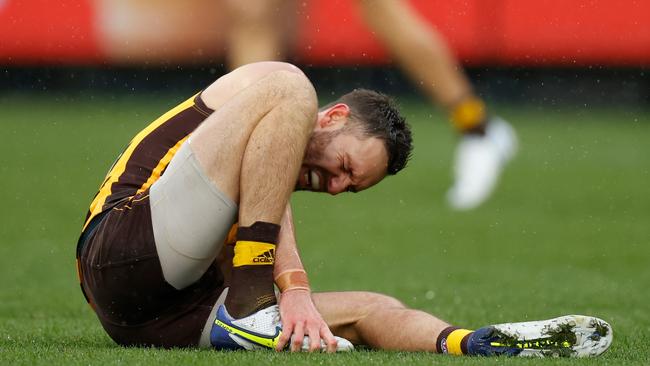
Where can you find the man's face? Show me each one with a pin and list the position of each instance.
(339, 159)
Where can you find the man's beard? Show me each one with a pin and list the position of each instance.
(317, 144)
(315, 150)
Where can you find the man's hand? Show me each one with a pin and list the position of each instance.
(300, 318)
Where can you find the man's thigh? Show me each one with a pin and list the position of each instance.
(191, 218)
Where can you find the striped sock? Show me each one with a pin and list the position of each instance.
(251, 287)
(453, 341)
(469, 116)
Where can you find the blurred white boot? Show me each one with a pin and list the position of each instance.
(479, 162)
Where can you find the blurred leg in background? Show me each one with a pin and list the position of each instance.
(257, 31)
(487, 143)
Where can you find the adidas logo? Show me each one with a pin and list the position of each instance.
(266, 257)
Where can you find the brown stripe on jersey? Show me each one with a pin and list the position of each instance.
(147, 154)
(136, 164)
(201, 106)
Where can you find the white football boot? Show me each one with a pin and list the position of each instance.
(478, 164)
(566, 336)
(260, 330)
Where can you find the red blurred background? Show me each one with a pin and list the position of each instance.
(481, 32)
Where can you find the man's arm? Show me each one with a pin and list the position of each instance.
(299, 315)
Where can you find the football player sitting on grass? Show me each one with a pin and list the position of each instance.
(220, 168)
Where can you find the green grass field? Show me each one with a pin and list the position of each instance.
(568, 231)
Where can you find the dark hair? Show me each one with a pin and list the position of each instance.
(377, 115)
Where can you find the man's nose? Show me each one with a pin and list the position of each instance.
(339, 184)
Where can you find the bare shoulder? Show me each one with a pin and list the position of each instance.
(232, 83)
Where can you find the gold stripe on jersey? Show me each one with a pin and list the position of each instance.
(157, 171)
(96, 207)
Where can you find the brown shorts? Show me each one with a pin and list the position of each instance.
(122, 277)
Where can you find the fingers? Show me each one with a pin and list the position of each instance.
(300, 318)
(314, 338)
(287, 330)
(328, 338)
(294, 336)
(298, 335)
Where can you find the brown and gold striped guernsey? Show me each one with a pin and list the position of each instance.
(145, 158)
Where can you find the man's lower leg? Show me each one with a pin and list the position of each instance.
(268, 174)
(252, 273)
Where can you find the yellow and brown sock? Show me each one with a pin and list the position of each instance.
(251, 287)
(453, 340)
(469, 116)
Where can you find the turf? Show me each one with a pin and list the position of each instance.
(566, 232)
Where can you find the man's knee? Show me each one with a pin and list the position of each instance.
(273, 82)
(366, 304)
(374, 301)
(294, 87)
(387, 301)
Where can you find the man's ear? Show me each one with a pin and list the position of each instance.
(338, 113)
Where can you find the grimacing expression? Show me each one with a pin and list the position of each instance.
(342, 160)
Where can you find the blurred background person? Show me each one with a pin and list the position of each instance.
(260, 30)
